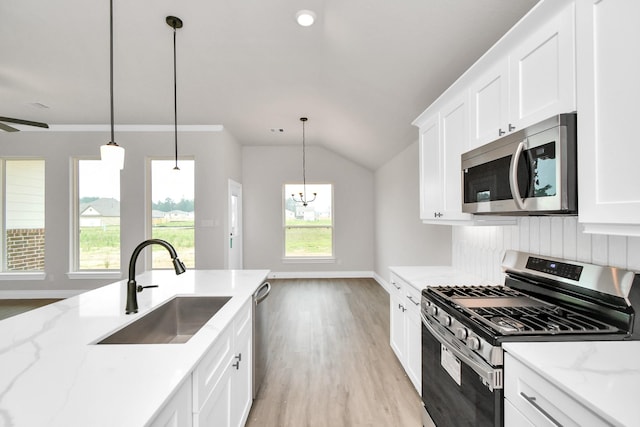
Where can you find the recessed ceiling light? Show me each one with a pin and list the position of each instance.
(305, 18)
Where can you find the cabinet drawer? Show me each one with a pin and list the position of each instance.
(211, 368)
(542, 403)
(412, 298)
(397, 285)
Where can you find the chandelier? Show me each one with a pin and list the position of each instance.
(303, 194)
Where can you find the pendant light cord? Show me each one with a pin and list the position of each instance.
(111, 64)
(175, 99)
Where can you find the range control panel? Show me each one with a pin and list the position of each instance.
(560, 269)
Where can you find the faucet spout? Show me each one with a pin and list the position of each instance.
(132, 286)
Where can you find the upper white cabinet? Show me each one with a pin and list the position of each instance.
(431, 194)
(534, 81)
(608, 93)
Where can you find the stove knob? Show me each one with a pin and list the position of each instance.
(432, 310)
(446, 320)
(473, 343)
(462, 333)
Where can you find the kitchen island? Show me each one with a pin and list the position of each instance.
(576, 383)
(53, 373)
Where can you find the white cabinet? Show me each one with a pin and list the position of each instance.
(431, 192)
(406, 328)
(222, 393)
(443, 138)
(531, 397)
(177, 411)
(608, 93)
(536, 80)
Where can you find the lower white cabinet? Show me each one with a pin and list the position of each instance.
(530, 399)
(222, 393)
(177, 412)
(406, 328)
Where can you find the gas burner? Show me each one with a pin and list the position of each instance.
(506, 325)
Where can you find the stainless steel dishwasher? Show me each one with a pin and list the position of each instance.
(260, 335)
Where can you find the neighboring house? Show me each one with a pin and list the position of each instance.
(100, 213)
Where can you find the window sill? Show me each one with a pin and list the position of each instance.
(74, 275)
(309, 260)
(33, 275)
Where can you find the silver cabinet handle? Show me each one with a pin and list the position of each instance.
(513, 176)
(501, 132)
(511, 127)
(532, 401)
(400, 307)
(396, 286)
(412, 300)
(237, 364)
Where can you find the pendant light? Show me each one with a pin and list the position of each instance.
(112, 153)
(303, 195)
(175, 22)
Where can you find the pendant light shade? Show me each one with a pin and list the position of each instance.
(112, 153)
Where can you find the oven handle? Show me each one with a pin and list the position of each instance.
(513, 176)
(492, 377)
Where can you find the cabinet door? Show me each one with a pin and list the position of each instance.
(430, 169)
(608, 90)
(489, 105)
(178, 411)
(454, 134)
(216, 411)
(413, 356)
(542, 72)
(396, 309)
(241, 386)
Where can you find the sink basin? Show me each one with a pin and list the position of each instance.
(174, 322)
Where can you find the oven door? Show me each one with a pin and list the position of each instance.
(457, 390)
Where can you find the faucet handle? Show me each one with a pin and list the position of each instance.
(141, 288)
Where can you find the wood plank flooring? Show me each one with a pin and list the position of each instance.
(330, 363)
(11, 307)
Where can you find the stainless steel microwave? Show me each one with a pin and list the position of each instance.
(529, 172)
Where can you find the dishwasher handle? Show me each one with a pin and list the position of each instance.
(262, 293)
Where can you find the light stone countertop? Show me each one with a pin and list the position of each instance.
(604, 376)
(52, 374)
(421, 277)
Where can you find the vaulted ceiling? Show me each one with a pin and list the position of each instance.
(361, 74)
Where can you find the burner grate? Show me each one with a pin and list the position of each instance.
(476, 291)
(539, 320)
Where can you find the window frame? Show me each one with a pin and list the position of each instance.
(310, 259)
(148, 254)
(74, 225)
(17, 274)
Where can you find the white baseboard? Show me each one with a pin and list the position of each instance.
(382, 282)
(40, 293)
(320, 274)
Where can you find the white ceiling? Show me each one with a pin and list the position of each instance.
(361, 74)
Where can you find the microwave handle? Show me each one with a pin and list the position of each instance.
(513, 176)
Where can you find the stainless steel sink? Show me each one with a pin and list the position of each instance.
(174, 322)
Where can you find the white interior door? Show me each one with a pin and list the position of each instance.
(234, 220)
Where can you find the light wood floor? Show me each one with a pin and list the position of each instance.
(11, 307)
(330, 363)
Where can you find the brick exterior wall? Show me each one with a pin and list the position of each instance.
(25, 249)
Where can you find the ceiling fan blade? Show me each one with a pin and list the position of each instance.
(7, 128)
(24, 122)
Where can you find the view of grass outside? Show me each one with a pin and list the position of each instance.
(100, 248)
(173, 213)
(308, 230)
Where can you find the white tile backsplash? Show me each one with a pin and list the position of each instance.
(479, 250)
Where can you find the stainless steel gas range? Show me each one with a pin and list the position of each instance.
(543, 299)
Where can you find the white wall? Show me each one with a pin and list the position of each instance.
(401, 237)
(267, 169)
(479, 250)
(217, 156)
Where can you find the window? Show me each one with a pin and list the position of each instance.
(97, 216)
(172, 211)
(22, 215)
(308, 230)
